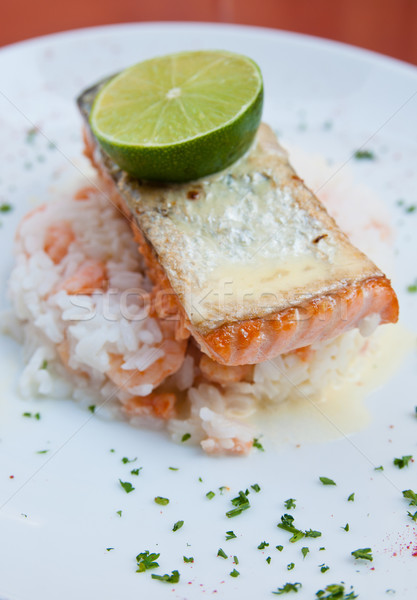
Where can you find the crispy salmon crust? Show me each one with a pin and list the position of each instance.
(311, 316)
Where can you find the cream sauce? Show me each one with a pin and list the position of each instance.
(342, 409)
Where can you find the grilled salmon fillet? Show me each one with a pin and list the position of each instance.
(248, 260)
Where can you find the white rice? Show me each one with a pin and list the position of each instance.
(95, 328)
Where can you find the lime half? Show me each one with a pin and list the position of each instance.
(180, 117)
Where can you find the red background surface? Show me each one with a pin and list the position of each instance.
(387, 26)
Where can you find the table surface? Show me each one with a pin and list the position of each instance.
(386, 26)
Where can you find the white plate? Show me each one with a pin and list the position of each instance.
(58, 512)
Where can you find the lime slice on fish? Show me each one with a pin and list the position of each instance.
(180, 117)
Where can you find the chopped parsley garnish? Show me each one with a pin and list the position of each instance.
(290, 503)
(127, 486)
(92, 408)
(136, 471)
(119, 512)
(327, 481)
(44, 364)
(146, 560)
(256, 487)
(268, 560)
(287, 523)
(236, 560)
(257, 444)
(230, 535)
(112, 450)
(410, 209)
(412, 289)
(5, 208)
(221, 553)
(190, 559)
(361, 154)
(178, 525)
(290, 566)
(186, 437)
(410, 495)
(30, 415)
(324, 568)
(364, 553)
(173, 578)
(380, 468)
(210, 495)
(162, 501)
(108, 549)
(288, 587)
(335, 591)
(412, 516)
(346, 527)
(351, 498)
(173, 468)
(126, 460)
(280, 548)
(42, 451)
(234, 573)
(403, 461)
(241, 503)
(322, 548)
(222, 488)
(305, 551)
(263, 545)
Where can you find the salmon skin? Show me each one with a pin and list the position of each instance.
(249, 258)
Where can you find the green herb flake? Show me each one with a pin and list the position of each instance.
(324, 568)
(412, 289)
(351, 498)
(236, 560)
(412, 516)
(173, 578)
(186, 437)
(290, 503)
(178, 525)
(230, 535)
(335, 591)
(234, 573)
(305, 551)
(311, 533)
(288, 587)
(256, 487)
(257, 444)
(173, 468)
(380, 468)
(364, 154)
(280, 548)
(210, 495)
(263, 545)
(241, 503)
(108, 549)
(221, 553)
(222, 488)
(322, 548)
(346, 527)
(112, 450)
(5, 208)
(136, 471)
(126, 460)
(44, 365)
(410, 495)
(268, 560)
(290, 566)
(119, 512)
(190, 559)
(327, 481)
(403, 461)
(127, 486)
(42, 451)
(146, 560)
(287, 525)
(411, 208)
(92, 408)
(162, 501)
(364, 553)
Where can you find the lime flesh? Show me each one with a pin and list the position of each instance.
(180, 117)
